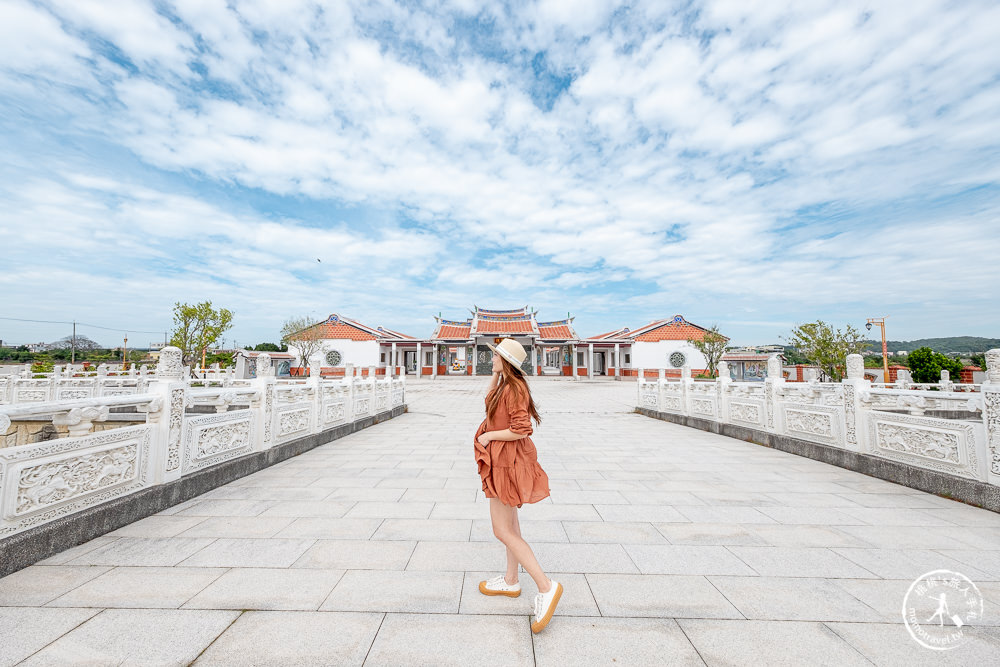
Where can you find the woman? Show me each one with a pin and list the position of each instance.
(508, 465)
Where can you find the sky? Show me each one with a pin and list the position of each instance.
(747, 164)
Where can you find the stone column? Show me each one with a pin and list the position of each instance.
(946, 383)
(773, 380)
(167, 424)
(392, 360)
(722, 391)
(420, 360)
(618, 361)
(572, 361)
(853, 438)
(590, 361)
(265, 382)
(991, 413)
(434, 368)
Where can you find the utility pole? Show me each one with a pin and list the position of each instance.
(72, 354)
(880, 321)
(125, 354)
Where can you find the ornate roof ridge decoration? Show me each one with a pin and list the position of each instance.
(512, 311)
(568, 320)
(455, 323)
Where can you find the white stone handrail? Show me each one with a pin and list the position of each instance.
(53, 407)
(45, 480)
(960, 436)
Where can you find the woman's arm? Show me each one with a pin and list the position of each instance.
(505, 434)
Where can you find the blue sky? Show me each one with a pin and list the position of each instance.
(747, 164)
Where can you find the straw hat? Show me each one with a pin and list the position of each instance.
(512, 351)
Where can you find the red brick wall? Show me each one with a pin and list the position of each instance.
(894, 372)
(966, 374)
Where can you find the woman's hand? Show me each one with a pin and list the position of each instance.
(484, 439)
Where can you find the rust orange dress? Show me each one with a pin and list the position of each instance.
(509, 468)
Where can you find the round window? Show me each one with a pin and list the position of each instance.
(333, 358)
(677, 359)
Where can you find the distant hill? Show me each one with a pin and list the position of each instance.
(964, 345)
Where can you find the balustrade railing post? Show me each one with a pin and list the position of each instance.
(855, 437)
(317, 401)
(722, 391)
(661, 378)
(265, 383)
(991, 413)
(168, 423)
(373, 385)
(686, 382)
(772, 382)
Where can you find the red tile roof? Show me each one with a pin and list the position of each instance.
(504, 326)
(617, 333)
(560, 331)
(342, 330)
(449, 331)
(671, 331)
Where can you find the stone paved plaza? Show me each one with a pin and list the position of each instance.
(674, 546)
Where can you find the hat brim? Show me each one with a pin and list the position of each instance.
(513, 362)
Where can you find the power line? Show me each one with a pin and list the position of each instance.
(82, 324)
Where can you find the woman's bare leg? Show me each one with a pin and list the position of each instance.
(511, 560)
(504, 520)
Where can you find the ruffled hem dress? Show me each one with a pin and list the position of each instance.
(509, 468)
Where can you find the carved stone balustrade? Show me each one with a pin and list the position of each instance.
(945, 427)
(168, 439)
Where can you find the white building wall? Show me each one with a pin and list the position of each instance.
(361, 353)
(647, 354)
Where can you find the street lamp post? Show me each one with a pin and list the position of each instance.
(880, 321)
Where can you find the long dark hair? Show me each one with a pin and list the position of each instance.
(511, 380)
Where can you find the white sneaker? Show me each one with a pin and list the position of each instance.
(545, 606)
(498, 586)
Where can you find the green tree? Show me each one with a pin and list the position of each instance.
(926, 365)
(827, 347)
(305, 335)
(979, 360)
(712, 346)
(198, 327)
(269, 347)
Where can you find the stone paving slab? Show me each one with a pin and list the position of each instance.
(137, 637)
(673, 545)
(140, 587)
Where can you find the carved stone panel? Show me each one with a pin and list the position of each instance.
(293, 422)
(48, 480)
(703, 406)
(334, 412)
(812, 423)
(672, 403)
(212, 439)
(945, 445)
(749, 413)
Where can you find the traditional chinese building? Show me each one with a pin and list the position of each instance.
(459, 347)
(659, 344)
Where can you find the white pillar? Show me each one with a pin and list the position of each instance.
(590, 362)
(434, 368)
(420, 361)
(534, 359)
(618, 361)
(392, 360)
(572, 361)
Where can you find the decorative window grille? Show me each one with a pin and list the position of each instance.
(333, 357)
(677, 359)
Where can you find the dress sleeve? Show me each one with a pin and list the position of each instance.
(517, 411)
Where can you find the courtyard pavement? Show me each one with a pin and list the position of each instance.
(674, 546)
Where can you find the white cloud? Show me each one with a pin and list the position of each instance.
(681, 154)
